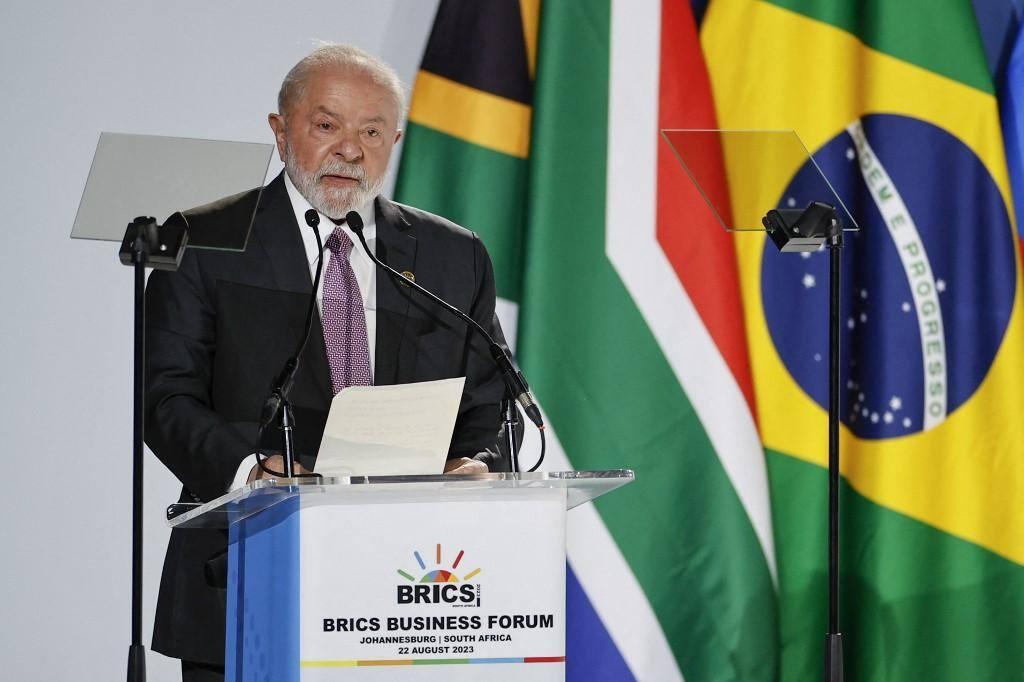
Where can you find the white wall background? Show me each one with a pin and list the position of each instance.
(69, 70)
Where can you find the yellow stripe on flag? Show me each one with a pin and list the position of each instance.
(472, 115)
(529, 10)
(963, 476)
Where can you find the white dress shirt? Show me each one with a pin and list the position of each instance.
(365, 271)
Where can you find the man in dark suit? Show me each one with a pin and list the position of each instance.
(220, 328)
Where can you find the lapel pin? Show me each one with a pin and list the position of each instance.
(409, 276)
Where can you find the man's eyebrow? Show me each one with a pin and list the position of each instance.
(373, 119)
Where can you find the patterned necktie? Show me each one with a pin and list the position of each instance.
(343, 318)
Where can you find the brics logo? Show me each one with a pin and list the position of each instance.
(439, 585)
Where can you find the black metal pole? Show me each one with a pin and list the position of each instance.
(834, 643)
(137, 652)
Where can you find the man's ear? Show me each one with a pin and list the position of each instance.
(398, 136)
(277, 125)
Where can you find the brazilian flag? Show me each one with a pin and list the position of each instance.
(895, 100)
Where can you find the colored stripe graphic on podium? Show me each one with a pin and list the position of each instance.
(432, 661)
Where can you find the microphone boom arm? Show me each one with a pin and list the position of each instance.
(514, 379)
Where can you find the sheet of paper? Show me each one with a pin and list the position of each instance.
(390, 430)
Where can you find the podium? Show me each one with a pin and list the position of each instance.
(435, 577)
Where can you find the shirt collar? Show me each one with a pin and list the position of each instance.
(300, 205)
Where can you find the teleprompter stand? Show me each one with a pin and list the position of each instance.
(143, 238)
(777, 156)
(803, 230)
(138, 175)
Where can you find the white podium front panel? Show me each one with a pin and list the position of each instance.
(467, 590)
(398, 577)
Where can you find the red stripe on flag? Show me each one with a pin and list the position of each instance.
(701, 252)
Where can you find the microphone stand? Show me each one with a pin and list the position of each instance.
(278, 405)
(517, 390)
(510, 422)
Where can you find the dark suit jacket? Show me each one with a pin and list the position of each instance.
(220, 328)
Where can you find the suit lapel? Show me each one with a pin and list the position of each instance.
(395, 246)
(278, 235)
(280, 239)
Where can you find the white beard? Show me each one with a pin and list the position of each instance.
(333, 202)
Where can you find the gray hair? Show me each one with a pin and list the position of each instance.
(347, 57)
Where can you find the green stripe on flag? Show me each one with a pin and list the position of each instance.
(478, 188)
(918, 604)
(910, 30)
(609, 391)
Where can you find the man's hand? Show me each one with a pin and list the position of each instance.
(274, 463)
(464, 465)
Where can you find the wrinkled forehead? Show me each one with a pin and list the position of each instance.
(347, 89)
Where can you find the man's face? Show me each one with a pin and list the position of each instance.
(337, 139)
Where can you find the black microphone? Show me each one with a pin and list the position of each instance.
(285, 380)
(514, 379)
